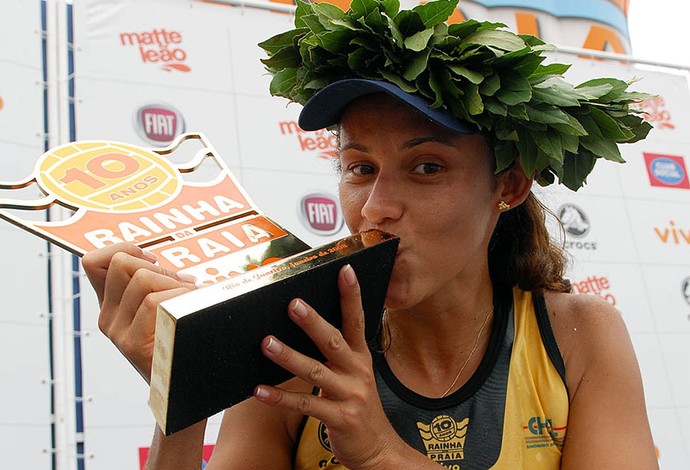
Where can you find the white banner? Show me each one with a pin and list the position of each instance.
(24, 339)
(146, 71)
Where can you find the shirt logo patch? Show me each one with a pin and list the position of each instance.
(540, 432)
(444, 439)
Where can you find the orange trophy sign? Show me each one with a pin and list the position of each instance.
(197, 218)
(121, 192)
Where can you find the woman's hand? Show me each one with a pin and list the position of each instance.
(359, 431)
(129, 287)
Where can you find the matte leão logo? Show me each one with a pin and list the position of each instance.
(322, 143)
(158, 46)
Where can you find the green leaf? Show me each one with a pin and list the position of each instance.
(327, 11)
(519, 111)
(590, 126)
(418, 41)
(592, 93)
(616, 87)
(471, 75)
(609, 128)
(528, 151)
(556, 91)
(569, 142)
(603, 148)
(516, 89)
(285, 58)
(303, 8)
(576, 168)
(528, 65)
(279, 41)
(435, 12)
(502, 40)
(375, 22)
(409, 22)
(416, 65)
(282, 82)
(362, 8)
(547, 114)
(399, 81)
(549, 143)
(463, 29)
(550, 69)
(505, 153)
(473, 100)
(495, 107)
(397, 36)
(390, 7)
(334, 41)
(345, 23)
(490, 85)
(573, 127)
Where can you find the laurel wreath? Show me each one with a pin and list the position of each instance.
(477, 71)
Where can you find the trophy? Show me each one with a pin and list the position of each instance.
(207, 353)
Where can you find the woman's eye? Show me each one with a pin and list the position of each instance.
(362, 169)
(427, 168)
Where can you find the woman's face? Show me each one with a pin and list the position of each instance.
(431, 187)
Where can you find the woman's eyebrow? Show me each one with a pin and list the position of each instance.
(354, 146)
(422, 140)
(406, 146)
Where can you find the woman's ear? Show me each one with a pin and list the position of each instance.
(513, 187)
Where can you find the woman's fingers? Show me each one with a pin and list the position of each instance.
(97, 263)
(138, 297)
(307, 368)
(351, 307)
(128, 280)
(346, 355)
(130, 287)
(137, 341)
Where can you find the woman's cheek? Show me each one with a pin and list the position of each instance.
(351, 204)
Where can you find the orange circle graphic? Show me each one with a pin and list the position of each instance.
(107, 176)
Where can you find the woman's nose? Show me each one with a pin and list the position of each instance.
(384, 202)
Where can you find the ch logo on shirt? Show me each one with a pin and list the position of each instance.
(444, 439)
(541, 432)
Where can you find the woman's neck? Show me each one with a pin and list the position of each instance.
(430, 343)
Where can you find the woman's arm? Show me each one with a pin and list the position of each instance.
(129, 287)
(607, 425)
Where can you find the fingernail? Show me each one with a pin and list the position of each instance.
(261, 392)
(299, 309)
(274, 346)
(186, 277)
(349, 274)
(149, 255)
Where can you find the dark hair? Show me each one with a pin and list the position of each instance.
(522, 253)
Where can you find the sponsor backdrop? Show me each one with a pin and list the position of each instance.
(146, 71)
(25, 411)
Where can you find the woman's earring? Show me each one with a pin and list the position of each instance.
(503, 206)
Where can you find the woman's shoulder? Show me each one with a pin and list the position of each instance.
(589, 331)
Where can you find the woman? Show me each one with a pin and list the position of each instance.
(486, 361)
